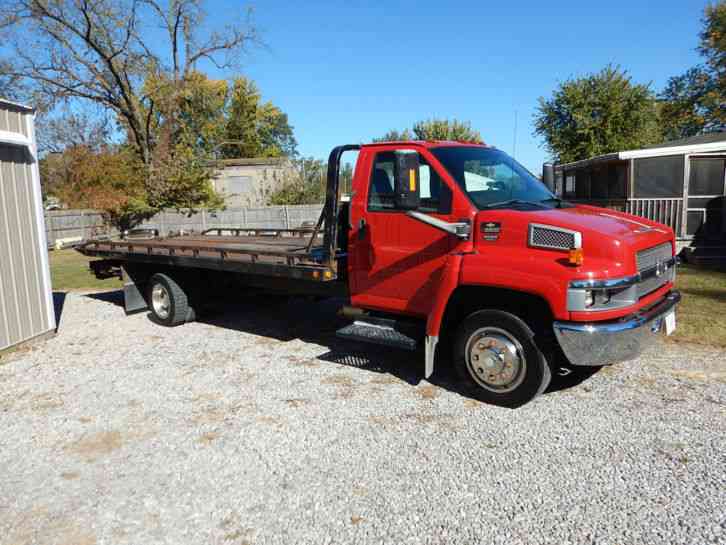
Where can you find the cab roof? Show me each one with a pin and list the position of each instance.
(426, 143)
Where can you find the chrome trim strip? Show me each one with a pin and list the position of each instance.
(637, 320)
(604, 343)
(459, 229)
(624, 281)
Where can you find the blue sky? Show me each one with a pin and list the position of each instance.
(346, 72)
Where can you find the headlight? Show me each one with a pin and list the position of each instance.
(579, 299)
(613, 293)
(602, 297)
(598, 298)
(589, 298)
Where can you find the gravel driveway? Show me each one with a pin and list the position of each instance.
(258, 426)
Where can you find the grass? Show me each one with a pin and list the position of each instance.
(69, 271)
(702, 313)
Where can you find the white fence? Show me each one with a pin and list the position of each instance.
(664, 210)
(668, 211)
(69, 224)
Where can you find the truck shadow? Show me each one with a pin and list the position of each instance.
(285, 319)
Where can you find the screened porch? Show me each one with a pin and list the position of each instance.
(685, 191)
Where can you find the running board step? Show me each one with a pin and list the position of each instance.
(381, 331)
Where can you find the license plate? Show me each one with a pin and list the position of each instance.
(670, 322)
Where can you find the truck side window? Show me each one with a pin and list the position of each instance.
(435, 194)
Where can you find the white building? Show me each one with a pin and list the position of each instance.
(250, 182)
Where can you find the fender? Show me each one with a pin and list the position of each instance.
(447, 284)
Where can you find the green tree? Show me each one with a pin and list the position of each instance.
(446, 129)
(713, 36)
(306, 183)
(395, 136)
(261, 129)
(434, 129)
(597, 114)
(695, 102)
(108, 178)
(689, 104)
(101, 54)
(189, 125)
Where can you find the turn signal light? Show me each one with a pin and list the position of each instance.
(576, 256)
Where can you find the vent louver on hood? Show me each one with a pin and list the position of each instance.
(556, 238)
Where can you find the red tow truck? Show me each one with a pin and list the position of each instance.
(451, 246)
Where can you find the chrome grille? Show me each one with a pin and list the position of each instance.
(549, 237)
(649, 258)
(654, 282)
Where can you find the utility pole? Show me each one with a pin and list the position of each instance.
(514, 143)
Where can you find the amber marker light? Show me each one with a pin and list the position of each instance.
(576, 256)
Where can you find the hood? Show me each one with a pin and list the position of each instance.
(635, 231)
(610, 239)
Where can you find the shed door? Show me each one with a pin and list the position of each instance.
(25, 305)
(706, 187)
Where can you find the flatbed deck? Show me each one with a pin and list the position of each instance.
(284, 253)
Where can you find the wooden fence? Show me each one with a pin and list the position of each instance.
(73, 224)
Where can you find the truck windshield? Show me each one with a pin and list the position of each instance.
(492, 179)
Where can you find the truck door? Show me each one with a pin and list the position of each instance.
(394, 260)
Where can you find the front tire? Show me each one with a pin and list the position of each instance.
(497, 359)
(168, 302)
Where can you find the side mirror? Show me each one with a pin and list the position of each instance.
(548, 176)
(406, 180)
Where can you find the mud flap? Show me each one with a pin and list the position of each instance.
(134, 289)
(430, 356)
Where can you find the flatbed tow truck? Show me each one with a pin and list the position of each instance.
(446, 245)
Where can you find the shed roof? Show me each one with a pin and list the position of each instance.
(708, 138)
(9, 136)
(249, 161)
(702, 143)
(17, 105)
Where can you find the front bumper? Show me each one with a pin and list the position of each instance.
(603, 343)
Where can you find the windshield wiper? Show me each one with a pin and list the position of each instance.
(559, 202)
(516, 201)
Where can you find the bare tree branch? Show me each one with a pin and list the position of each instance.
(98, 51)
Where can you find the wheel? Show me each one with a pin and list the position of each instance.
(168, 302)
(496, 358)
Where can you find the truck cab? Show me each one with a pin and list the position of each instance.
(464, 239)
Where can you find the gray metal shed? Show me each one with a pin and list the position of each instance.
(26, 298)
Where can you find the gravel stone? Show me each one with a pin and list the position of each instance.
(256, 425)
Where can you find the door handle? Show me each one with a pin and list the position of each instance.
(461, 229)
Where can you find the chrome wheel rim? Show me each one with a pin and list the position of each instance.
(160, 301)
(495, 359)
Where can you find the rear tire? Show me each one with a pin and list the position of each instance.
(168, 302)
(497, 359)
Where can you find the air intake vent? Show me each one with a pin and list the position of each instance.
(649, 258)
(556, 238)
